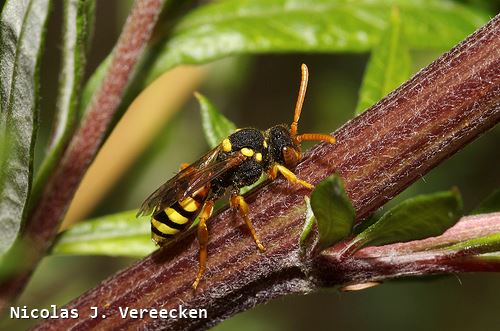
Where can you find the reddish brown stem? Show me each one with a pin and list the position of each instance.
(44, 222)
(378, 154)
(419, 257)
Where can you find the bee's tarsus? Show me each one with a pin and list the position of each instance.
(237, 202)
(206, 212)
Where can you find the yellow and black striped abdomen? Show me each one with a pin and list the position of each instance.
(167, 223)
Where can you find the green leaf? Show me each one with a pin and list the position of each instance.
(481, 245)
(88, 18)
(116, 235)
(77, 15)
(5, 150)
(275, 26)
(490, 205)
(309, 222)
(333, 211)
(13, 261)
(416, 218)
(22, 28)
(388, 67)
(215, 125)
(222, 29)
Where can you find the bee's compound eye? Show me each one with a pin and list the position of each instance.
(291, 156)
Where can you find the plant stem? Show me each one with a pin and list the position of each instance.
(378, 154)
(45, 219)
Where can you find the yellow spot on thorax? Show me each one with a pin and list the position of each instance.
(258, 157)
(264, 143)
(247, 151)
(226, 145)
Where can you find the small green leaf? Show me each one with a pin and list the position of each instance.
(481, 245)
(215, 125)
(22, 29)
(416, 218)
(77, 15)
(333, 211)
(116, 235)
(309, 222)
(389, 65)
(489, 205)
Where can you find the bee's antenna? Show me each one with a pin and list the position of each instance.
(300, 100)
(298, 108)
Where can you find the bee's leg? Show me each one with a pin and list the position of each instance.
(237, 202)
(206, 212)
(289, 175)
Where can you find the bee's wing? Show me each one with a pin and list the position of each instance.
(174, 188)
(189, 180)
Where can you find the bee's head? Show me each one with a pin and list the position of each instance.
(282, 148)
(284, 143)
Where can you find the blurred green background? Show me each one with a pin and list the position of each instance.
(261, 91)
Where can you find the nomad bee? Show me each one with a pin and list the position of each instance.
(238, 161)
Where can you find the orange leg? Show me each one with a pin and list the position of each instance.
(237, 202)
(206, 212)
(289, 175)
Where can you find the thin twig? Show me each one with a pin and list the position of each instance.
(44, 221)
(378, 154)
